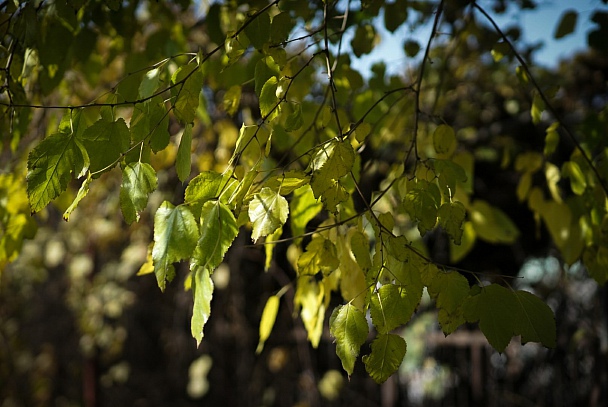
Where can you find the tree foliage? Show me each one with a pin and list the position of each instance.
(257, 109)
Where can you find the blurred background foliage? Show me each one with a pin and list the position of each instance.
(78, 327)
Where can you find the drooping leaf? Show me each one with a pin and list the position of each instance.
(535, 322)
(268, 99)
(105, 142)
(202, 290)
(149, 83)
(309, 298)
(82, 192)
(303, 207)
(449, 290)
(280, 27)
(321, 255)
(189, 80)
(444, 139)
(348, 325)
(492, 224)
(208, 185)
(269, 316)
(232, 99)
(218, 230)
(353, 285)
(421, 204)
(50, 167)
(451, 218)
(175, 237)
(578, 182)
(388, 351)
(138, 182)
(333, 161)
(364, 40)
(388, 308)
(267, 211)
(258, 30)
(184, 154)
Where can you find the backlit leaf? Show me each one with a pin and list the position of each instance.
(321, 255)
(267, 211)
(388, 351)
(421, 204)
(82, 192)
(218, 231)
(268, 98)
(138, 182)
(186, 94)
(387, 308)
(492, 224)
(451, 219)
(303, 207)
(184, 154)
(258, 30)
(105, 142)
(444, 139)
(578, 182)
(50, 167)
(175, 237)
(232, 99)
(535, 322)
(269, 316)
(202, 290)
(348, 325)
(280, 27)
(149, 83)
(309, 298)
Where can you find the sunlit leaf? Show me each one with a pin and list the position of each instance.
(50, 167)
(138, 182)
(202, 290)
(321, 255)
(175, 237)
(269, 316)
(309, 298)
(388, 351)
(451, 218)
(184, 153)
(217, 232)
(149, 83)
(492, 224)
(348, 325)
(267, 211)
(303, 207)
(268, 98)
(388, 308)
(189, 81)
(578, 182)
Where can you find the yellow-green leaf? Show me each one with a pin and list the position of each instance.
(267, 212)
(202, 290)
(269, 316)
(183, 162)
(348, 325)
(388, 351)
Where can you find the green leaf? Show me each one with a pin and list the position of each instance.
(388, 351)
(209, 185)
(232, 100)
(491, 224)
(451, 219)
(105, 142)
(333, 161)
(149, 83)
(280, 27)
(258, 30)
(268, 99)
(551, 139)
(450, 290)
(567, 24)
(269, 316)
(267, 211)
(186, 95)
(494, 308)
(535, 322)
(50, 165)
(321, 255)
(421, 204)
(82, 192)
(309, 297)
(395, 14)
(138, 182)
(218, 231)
(388, 308)
(303, 207)
(265, 68)
(537, 109)
(202, 290)
(364, 40)
(175, 237)
(348, 325)
(444, 139)
(578, 182)
(183, 162)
